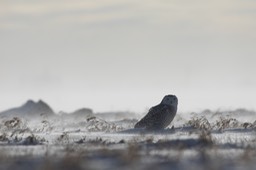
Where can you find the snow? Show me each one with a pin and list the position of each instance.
(205, 140)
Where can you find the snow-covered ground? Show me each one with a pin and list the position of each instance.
(206, 140)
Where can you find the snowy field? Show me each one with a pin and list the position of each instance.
(206, 140)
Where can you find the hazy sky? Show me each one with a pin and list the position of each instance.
(127, 54)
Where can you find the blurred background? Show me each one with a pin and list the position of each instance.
(127, 54)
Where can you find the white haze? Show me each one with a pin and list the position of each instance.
(126, 55)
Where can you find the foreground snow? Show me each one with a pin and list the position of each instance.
(215, 140)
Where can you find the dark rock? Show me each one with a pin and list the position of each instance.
(82, 112)
(29, 109)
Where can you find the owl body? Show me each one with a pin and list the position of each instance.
(160, 116)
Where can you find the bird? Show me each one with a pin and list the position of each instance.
(159, 116)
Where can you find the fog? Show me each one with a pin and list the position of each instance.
(126, 55)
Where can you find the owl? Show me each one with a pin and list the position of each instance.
(161, 115)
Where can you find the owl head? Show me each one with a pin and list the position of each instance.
(170, 100)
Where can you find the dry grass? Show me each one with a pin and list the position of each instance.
(205, 137)
(220, 124)
(63, 139)
(145, 151)
(200, 123)
(226, 123)
(95, 124)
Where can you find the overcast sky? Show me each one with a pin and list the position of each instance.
(127, 54)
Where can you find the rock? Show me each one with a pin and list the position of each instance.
(30, 109)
